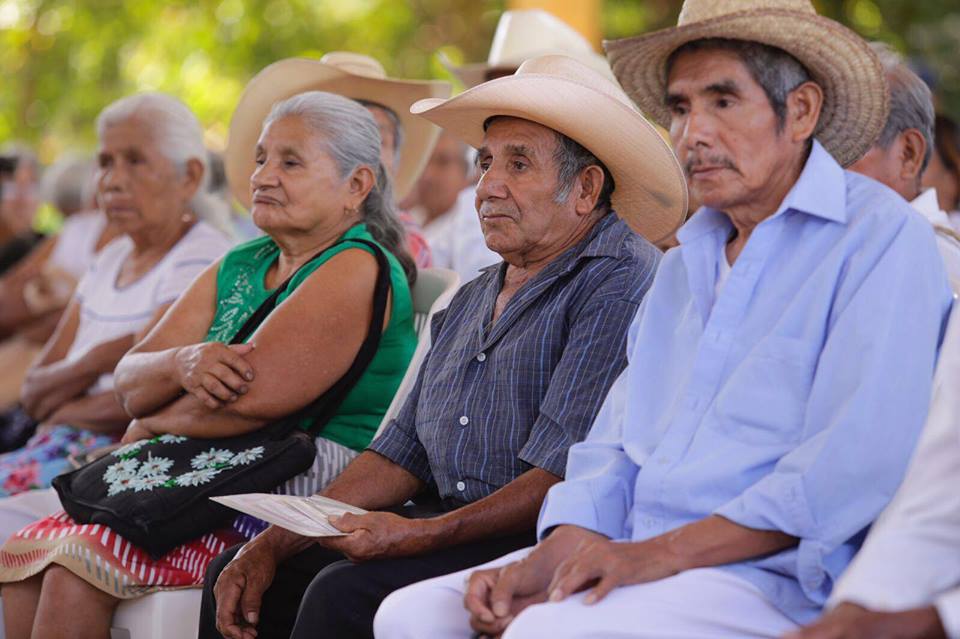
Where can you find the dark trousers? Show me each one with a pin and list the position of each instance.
(319, 594)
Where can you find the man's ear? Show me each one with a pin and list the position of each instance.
(912, 152)
(803, 111)
(587, 192)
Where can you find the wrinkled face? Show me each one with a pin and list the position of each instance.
(388, 141)
(885, 166)
(724, 130)
(138, 187)
(296, 186)
(515, 195)
(443, 178)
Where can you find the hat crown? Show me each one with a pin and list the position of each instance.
(567, 68)
(355, 64)
(523, 34)
(700, 10)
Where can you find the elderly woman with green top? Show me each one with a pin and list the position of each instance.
(318, 186)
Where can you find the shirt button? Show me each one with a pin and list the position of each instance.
(464, 420)
(482, 357)
(663, 461)
(461, 486)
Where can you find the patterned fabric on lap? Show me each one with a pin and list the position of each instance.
(44, 457)
(105, 560)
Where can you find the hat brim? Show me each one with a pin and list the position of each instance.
(856, 101)
(650, 193)
(290, 77)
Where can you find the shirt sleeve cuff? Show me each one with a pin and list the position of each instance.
(948, 607)
(405, 450)
(547, 447)
(575, 503)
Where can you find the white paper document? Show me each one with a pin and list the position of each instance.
(307, 516)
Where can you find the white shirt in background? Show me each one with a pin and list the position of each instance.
(456, 239)
(77, 243)
(927, 205)
(108, 312)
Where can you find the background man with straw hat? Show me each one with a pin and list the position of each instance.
(757, 429)
(407, 141)
(519, 365)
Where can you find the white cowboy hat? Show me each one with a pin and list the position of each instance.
(569, 97)
(528, 33)
(855, 91)
(351, 75)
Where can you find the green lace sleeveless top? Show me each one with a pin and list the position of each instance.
(240, 290)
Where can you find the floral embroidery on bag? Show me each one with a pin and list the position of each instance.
(153, 472)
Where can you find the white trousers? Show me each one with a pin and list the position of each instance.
(705, 603)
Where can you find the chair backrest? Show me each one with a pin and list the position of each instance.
(431, 293)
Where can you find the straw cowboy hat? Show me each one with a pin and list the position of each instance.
(351, 75)
(650, 194)
(855, 92)
(525, 34)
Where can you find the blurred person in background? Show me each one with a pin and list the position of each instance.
(406, 141)
(943, 174)
(904, 149)
(34, 293)
(444, 202)
(151, 184)
(19, 200)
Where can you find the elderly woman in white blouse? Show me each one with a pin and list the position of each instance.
(150, 183)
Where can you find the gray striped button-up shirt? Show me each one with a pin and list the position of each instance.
(493, 401)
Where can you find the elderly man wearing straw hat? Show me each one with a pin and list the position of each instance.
(406, 140)
(520, 362)
(779, 370)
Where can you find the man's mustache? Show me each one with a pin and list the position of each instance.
(714, 162)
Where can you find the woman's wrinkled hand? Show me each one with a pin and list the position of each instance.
(214, 373)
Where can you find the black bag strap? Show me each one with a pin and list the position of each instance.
(323, 408)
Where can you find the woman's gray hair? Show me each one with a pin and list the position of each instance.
(351, 136)
(68, 184)
(179, 138)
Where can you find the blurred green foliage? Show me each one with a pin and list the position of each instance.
(64, 60)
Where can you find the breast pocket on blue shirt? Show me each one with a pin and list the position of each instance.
(764, 399)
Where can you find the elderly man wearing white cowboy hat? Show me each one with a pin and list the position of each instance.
(406, 141)
(519, 366)
(454, 233)
(779, 369)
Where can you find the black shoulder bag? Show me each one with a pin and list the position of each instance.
(156, 493)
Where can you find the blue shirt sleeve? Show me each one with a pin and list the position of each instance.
(598, 491)
(866, 408)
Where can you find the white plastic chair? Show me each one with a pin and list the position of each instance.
(175, 613)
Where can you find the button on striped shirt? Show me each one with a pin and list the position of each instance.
(493, 401)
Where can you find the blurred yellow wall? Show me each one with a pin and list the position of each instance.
(582, 15)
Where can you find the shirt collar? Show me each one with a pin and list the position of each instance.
(820, 191)
(927, 205)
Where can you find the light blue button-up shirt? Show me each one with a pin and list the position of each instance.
(791, 402)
